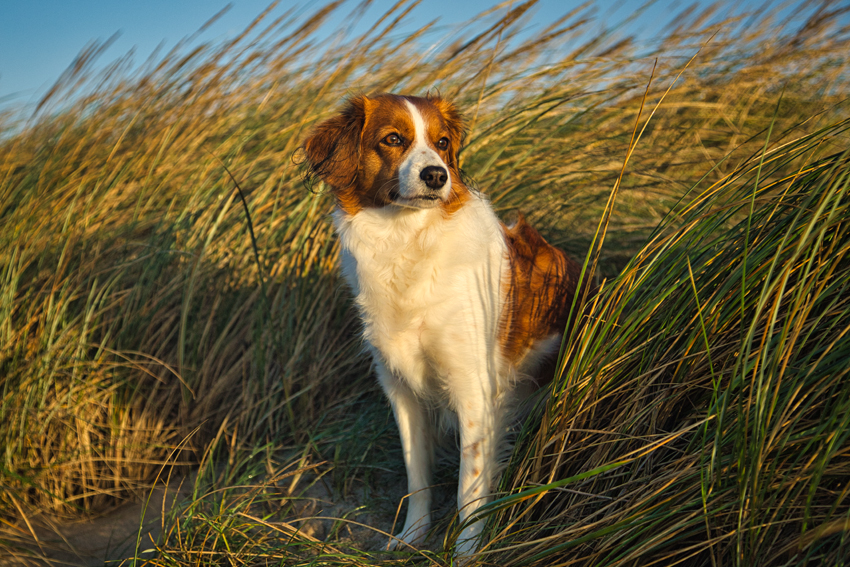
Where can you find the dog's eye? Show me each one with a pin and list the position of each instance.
(443, 143)
(392, 140)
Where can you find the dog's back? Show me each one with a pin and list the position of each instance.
(538, 300)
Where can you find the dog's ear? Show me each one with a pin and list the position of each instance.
(454, 123)
(333, 147)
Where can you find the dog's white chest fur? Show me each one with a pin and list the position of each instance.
(428, 287)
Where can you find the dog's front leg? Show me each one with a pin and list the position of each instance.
(414, 428)
(479, 434)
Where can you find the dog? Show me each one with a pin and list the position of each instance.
(459, 311)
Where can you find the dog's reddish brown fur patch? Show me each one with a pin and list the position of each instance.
(543, 281)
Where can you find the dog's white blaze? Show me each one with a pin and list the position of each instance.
(419, 156)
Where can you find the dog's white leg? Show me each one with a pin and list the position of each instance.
(479, 421)
(417, 444)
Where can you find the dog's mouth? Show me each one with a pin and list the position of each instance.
(424, 201)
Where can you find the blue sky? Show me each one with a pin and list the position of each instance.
(40, 38)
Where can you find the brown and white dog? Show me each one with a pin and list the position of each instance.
(457, 308)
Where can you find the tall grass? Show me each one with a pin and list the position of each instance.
(139, 328)
(704, 417)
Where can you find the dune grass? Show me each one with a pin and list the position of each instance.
(701, 417)
(704, 418)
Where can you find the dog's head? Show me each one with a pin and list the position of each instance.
(390, 150)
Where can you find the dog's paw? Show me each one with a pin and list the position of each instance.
(468, 543)
(409, 537)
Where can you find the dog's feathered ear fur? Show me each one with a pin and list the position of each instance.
(333, 147)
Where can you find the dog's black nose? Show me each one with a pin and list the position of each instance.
(434, 176)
